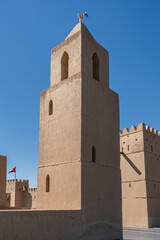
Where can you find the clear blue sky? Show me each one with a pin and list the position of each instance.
(128, 29)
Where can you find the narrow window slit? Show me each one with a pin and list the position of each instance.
(93, 154)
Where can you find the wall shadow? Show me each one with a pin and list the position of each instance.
(131, 164)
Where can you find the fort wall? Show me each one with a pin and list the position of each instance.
(30, 198)
(40, 225)
(134, 196)
(20, 195)
(11, 192)
(140, 166)
(152, 162)
(57, 225)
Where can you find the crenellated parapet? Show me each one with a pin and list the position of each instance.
(140, 138)
(32, 190)
(10, 180)
(22, 181)
(133, 129)
(140, 127)
(17, 180)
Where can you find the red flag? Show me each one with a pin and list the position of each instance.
(12, 170)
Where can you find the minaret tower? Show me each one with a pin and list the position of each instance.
(79, 162)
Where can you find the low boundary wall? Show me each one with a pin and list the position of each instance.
(53, 225)
(40, 225)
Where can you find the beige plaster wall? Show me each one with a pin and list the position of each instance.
(134, 189)
(73, 48)
(57, 225)
(134, 204)
(133, 167)
(101, 195)
(30, 198)
(85, 113)
(135, 212)
(21, 187)
(3, 163)
(152, 159)
(140, 165)
(89, 47)
(134, 195)
(101, 180)
(153, 211)
(152, 137)
(100, 123)
(60, 133)
(131, 141)
(31, 225)
(11, 189)
(59, 146)
(65, 187)
(16, 189)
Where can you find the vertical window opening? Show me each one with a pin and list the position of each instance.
(50, 107)
(47, 183)
(64, 66)
(93, 154)
(151, 148)
(129, 185)
(128, 147)
(95, 66)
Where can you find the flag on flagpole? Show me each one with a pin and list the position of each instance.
(12, 170)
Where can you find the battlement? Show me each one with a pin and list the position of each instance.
(152, 130)
(17, 180)
(10, 180)
(22, 181)
(140, 127)
(140, 138)
(32, 190)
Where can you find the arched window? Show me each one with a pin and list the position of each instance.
(95, 66)
(64, 66)
(50, 107)
(93, 154)
(47, 183)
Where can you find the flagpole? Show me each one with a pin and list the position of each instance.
(15, 174)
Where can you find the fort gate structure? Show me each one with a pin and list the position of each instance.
(140, 165)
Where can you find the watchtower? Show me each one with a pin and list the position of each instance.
(140, 166)
(79, 163)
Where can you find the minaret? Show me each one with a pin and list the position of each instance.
(79, 163)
